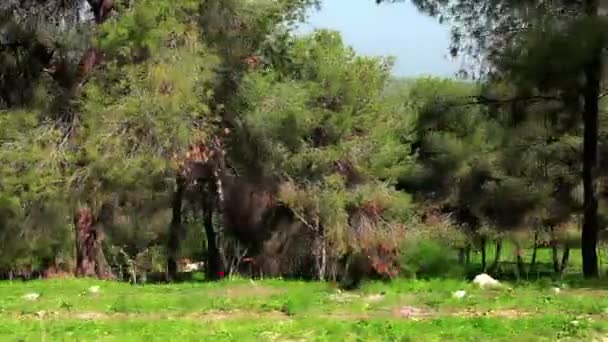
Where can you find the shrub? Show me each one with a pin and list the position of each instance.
(429, 258)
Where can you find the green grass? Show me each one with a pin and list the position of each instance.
(269, 310)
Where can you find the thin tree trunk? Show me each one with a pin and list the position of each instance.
(591, 91)
(175, 230)
(215, 261)
(494, 266)
(565, 258)
(323, 264)
(483, 253)
(554, 250)
(461, 256)
(521, 269)
(534, 250)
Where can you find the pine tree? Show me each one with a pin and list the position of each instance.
(515, 40)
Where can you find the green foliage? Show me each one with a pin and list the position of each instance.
(32, 182)
(342, 137)
(427, 258)
(149, 25)
(108, 141)
(321, 121)
(132, 116)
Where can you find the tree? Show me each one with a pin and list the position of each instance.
(318, 124)
(235, 31)
(516, 39)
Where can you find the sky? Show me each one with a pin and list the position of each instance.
(419, 42)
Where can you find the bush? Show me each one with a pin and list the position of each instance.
(427, 258)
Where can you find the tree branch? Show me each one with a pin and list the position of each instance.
(485, 100)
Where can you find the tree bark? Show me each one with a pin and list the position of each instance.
(175, 230)
(534, 251)
(215, 262)
(591, 92)
(101, 9)
(496, 261)
(92, 57)
(483, 253)
(521, 269)
(554, 250)
(322, 259)
(90, 258)
(461, 256)
(565, 258)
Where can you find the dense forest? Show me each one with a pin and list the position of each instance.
(139, 136)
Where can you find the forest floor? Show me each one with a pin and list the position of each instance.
(278, 310)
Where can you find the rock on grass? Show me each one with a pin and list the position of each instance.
(485, 281)
(31, 296)
(459, 294)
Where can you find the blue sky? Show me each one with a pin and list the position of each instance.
(418, 41)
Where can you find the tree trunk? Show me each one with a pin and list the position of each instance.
(175, 230)
(483, 253)
(322, 263)
(494, 266)
(591, 91)
(461, 256)
(90, 258)
(565, 258)
(101, 9)
(215, 262)
(521, 269)
(554, 251)
(534, 250)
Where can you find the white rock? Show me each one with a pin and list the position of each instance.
(31, 296)
(459, 294)
(557, 290)
(195, 266)
(94, 289)
(485, 281)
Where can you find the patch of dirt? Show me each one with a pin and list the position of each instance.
(412, 312)
(349, 316)
(404, 312)
(417, 313)
(195, 316)
(225, 315)
(501, 313)
(93, 316)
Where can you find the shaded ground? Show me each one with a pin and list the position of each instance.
(277, 310)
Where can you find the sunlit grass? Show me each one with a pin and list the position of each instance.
(241, 309)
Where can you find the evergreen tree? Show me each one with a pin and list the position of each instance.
(516, 39)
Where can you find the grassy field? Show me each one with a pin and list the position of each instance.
(276, 310)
